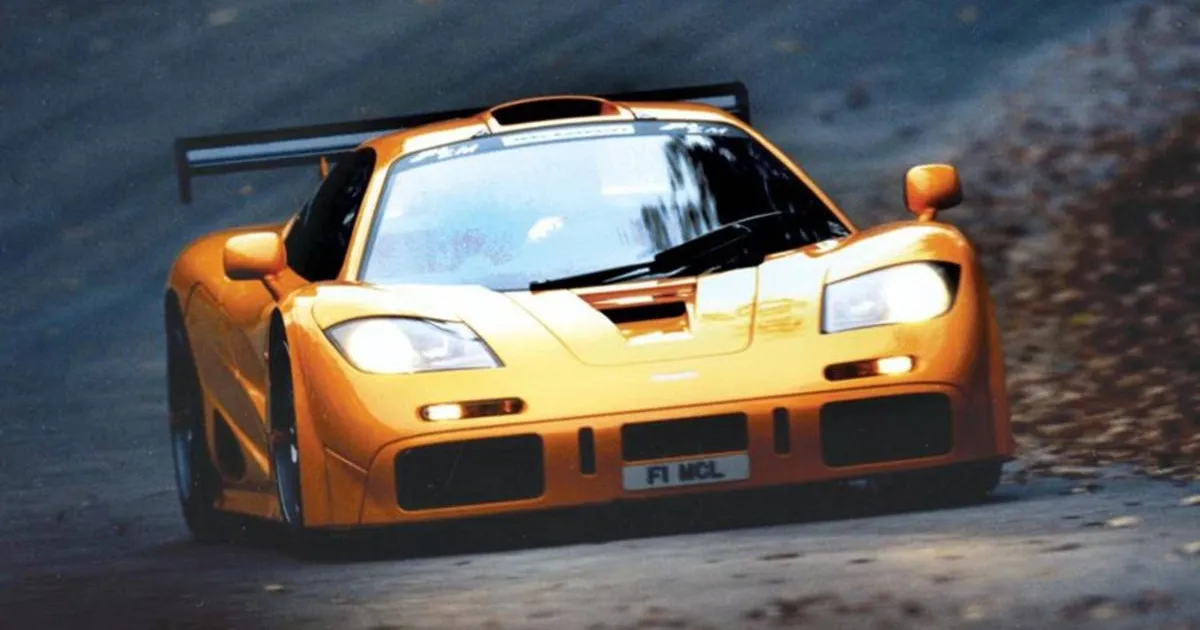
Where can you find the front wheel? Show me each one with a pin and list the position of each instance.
(285, 445)
(286, 463)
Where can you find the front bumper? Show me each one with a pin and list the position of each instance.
(552, 464)
(359, 424)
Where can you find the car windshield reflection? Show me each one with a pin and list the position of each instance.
(508, 210)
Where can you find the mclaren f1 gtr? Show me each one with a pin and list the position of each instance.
(563, 301)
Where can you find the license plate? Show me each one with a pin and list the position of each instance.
(687, 473)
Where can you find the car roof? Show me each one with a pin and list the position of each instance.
(390, 147)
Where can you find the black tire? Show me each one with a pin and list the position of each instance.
(198, 481)
(962, 484)
(284, 439)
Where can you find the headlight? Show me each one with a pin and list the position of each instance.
(905, 293)
(398, 345)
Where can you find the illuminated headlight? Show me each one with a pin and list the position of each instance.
(400, 345)
(905, 293)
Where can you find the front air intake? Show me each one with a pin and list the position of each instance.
(886, 429)
(644, 441)
(470, 472)
(552, 108)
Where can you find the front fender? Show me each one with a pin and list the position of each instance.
(332, 484)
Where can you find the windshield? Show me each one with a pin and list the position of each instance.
(507, 210)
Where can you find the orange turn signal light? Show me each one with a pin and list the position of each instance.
(472, 409)
(886, 366)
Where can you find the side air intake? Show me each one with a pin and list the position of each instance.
(552, 108)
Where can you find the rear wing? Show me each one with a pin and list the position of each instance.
(296, 146)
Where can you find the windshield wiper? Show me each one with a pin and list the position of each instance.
(705, 252)
(602, 276)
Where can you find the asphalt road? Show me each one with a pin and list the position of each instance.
(1037, 556)
(91, 95)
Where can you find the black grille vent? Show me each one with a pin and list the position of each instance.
(670, 310)
(470, 472)
(781, 423)
(885, 429)
(587, 451)
(675, 438)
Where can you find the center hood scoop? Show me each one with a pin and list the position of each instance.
(650, 321)
(674, 311)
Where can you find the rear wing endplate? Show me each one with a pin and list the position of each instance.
(295, 146)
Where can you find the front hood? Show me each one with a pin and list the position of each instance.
(650, 321)
(599, 326)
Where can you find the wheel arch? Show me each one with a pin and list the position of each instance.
(178, 340)
(314, 490)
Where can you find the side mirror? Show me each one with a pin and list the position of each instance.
(931, 187)
(254, 256)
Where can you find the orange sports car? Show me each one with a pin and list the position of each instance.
(562, 301)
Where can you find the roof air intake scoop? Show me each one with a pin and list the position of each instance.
(552, 108)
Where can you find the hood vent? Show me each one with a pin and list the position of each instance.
(649, 312)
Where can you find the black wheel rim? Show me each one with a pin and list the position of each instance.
(285, 456)
(285, 449)
(182, 443)
(187, 448)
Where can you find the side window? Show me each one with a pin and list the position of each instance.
(320, 237)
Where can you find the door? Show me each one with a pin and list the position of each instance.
(316, 244)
